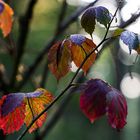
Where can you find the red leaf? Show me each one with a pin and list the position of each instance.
(60, 59)
(19, 108)
(98, 98)
(116, 108)
(93, 99)
(6, 20)
(13, 120)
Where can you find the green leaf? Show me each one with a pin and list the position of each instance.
(88, 20)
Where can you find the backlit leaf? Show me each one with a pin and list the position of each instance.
(19, 108)
(88, 20)
(14, 100)
(99, 98)
(81, 47)
(6, 20)
(60, 59)
(101, 14)
(131, 40)
(116, 108)
(118, 32)
(35, 102)
(12, 118)
(93, 99)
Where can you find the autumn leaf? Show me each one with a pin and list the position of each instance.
(88, 19)
(116, 108)
(35, 102)
(93, 99)
(6, 15)
(12, 114)
(99, 98)
(59, 57)
(80, 48)
(103, 16)
(19, 108)
(131, 40)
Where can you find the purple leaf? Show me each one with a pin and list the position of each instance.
(130, 39)
(77, 39)
(11, 102)
(102, 15)
(1, 7)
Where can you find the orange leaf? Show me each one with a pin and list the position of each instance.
(35, 102)
(80, 49)
(60, 59)
(6, 14)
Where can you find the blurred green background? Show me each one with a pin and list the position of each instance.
(113, 65)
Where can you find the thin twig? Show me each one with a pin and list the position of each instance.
(122, 25)
(65, 24)
(133, 18)
(23, 30)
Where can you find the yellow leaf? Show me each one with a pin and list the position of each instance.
(79, 53)
(35, 102)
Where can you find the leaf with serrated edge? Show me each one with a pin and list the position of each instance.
(101, 14)
(19, 108)
(99, 98)
(60, 66)
(35, 102)
(116, 108)
(93, 99)
(79, 51)
(13, 120)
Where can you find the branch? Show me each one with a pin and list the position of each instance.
(23, 30)
(133, 18)
(40, 57)
(71, 82)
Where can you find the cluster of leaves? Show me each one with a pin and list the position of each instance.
(97, 98)
(101, 14)
(75, 48)
(19, 108)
